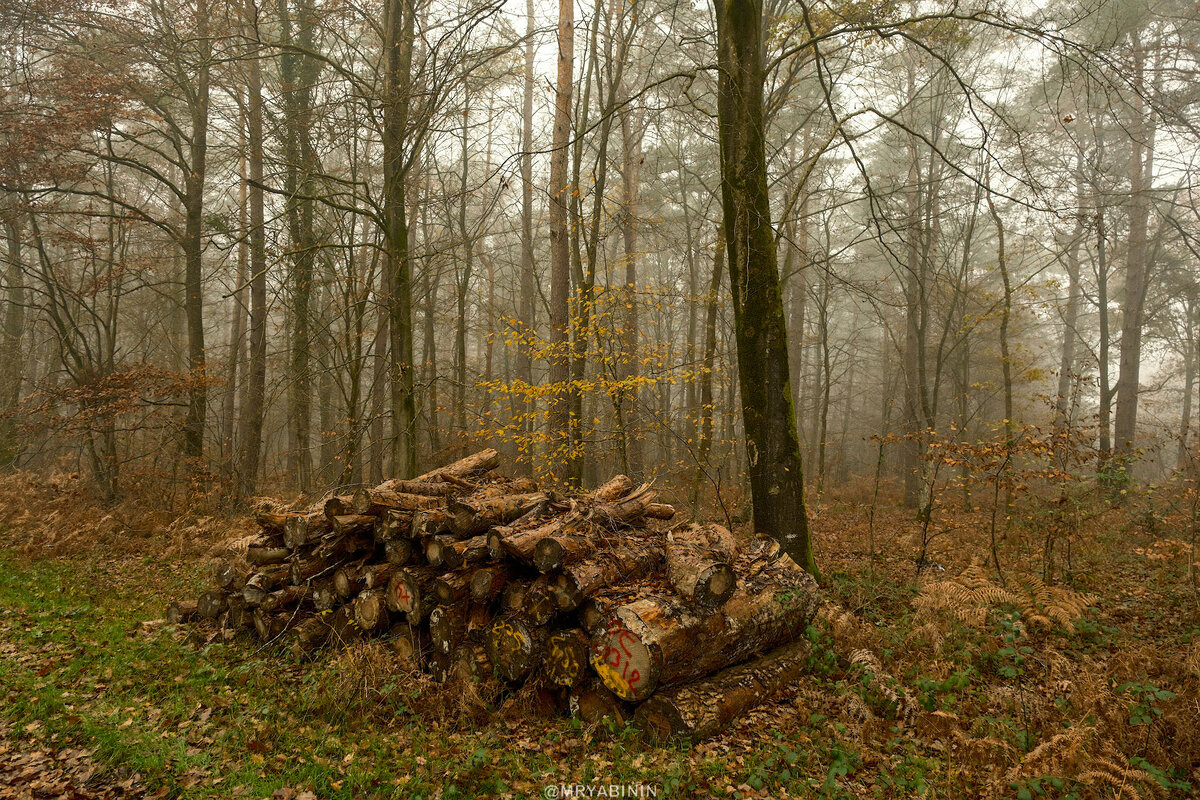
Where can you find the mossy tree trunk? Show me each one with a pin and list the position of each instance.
(773, 451)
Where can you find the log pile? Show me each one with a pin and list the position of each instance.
(473, 576)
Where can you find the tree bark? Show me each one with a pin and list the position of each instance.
(298, 73)
(773, 451)
(657, 641)
(700, 563)
(1133, 300)
(706, 707)
(471, 516)
(559, 444)
(193, 244)
(627, 561)
(398, 45)
(12, 360)
(526, 309)
(628, 406)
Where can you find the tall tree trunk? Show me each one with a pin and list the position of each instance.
(237, 314)
(251, 423)
(298, 73)
(913, 296)
(848, 409)
(489, 341)
(379, 381)
(462, 286)
(796, 262)
(584, 276)
(776, 477)
(525, 307)
(1066, 362)
(355, 323)
(431, 282)
(1189, 379)
(1104, 416)
(1133, 300)
(400, 32)
(705, 429)
(560, 440)
(193, 246)
(631, 157)
(1005, 359)
(826, 372)
(12, 360)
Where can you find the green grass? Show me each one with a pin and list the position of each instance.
(78, 668)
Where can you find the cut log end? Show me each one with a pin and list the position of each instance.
(548, 555)
(370, 611)
(398, 551)
(409, 643)
(661, 721)
(447, 628)
(180, 611)
(469, 664)
(593, 704)
(627, 664)
(715, 585)
(488, 582)
(513, 648)
(211, 605)
(539, 603)
(410, 593)
(566, 659)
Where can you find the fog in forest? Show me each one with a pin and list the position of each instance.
(258, 247)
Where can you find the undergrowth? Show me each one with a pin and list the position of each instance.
(954, 683)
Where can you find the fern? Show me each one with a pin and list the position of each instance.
(972, 597)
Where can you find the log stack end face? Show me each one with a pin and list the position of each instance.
(484, 578)
(661, 722)
(512, 648)
(402, 593)
(623, 659)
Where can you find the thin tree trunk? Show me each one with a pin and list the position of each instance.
(913, 293)
(193, 247)
(1189, 380)
(1005, 360)
(525, 307)
(631, 138)
(825, 382)
(705, 437)
(379, 379)
(560, 255)
(489, 342)
(1105, 411)
(12, 360)
(1066, 363)
(237, 326)
(431, 282)
(796, 266)
(401, 28)
(252, 412)
(1133, 299)
(462, 287)
(298, 73)
(848, 408)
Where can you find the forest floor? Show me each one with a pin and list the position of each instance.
(944, 685)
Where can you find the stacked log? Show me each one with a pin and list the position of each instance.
(472, 576)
